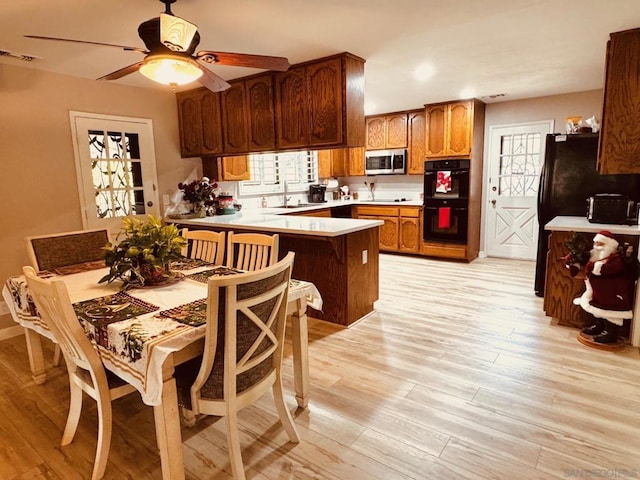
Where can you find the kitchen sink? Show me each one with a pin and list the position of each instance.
(296, 205)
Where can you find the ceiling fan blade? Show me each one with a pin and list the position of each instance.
(280, 64)
(212, 81)
(122, 72)
(124, 47)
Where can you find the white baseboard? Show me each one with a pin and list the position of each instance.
(11, 332)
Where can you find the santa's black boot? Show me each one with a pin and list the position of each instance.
(595, 329)
(608, 335)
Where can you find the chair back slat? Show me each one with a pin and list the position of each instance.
(54, 305)
(49, 252)
(246, 317)
(204, 245)
(251, 251)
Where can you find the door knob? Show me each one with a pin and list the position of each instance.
(493, 202)
(149, 203)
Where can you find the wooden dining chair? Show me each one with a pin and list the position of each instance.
(86, 371)
(53, 251)
(242, 359)
(251, 251)
(204, 245)
(49, 252)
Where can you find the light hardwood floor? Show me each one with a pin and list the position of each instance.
(458, 375)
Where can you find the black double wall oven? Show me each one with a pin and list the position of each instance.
(446, 200)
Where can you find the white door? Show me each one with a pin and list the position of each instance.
(116, 169)
(516, 155)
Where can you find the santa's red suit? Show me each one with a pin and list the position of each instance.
(608, 287)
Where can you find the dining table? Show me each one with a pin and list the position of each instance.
(141, 334)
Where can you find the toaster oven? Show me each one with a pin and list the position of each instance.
(611, 208)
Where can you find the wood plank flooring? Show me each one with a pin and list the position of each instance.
(457, 375)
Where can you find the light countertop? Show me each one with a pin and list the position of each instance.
(581, 224)
(285, 220)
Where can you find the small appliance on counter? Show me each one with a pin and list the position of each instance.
(611, 208)
(316, 193)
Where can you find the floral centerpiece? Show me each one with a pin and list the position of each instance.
(142, 258)
(200, 194)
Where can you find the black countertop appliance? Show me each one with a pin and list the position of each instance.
(567, 180)
(316, 193)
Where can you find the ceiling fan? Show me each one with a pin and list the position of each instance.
(170, 59)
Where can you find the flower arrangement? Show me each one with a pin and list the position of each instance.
(200, 193)
(143, 257)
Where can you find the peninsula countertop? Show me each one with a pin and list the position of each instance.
(271, 222)
(285, 220)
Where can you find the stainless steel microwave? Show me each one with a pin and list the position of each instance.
(385, 162)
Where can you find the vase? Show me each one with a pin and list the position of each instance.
(199, 210)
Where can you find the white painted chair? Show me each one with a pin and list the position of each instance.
(242, 359)
(251, 251)
(86, 371)
(204, 245)
(57, 250)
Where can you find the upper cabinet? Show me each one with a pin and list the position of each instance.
(417, 142)
(200, 127)
(317, 104)
(619, 148)
(226, 168)
(386, 131)
(340, 162)
(449, 129)
(320, 104)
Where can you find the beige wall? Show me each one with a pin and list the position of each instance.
(39, 190)
(556, 107)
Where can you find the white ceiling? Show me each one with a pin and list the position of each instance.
(519, 48)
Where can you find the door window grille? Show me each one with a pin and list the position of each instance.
(520, 164)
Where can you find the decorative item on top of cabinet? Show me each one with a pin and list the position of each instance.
(199, 120)
(321, 103)
(449, 129)
(619, 148)
(417, 142)
(226, 168)
(386, 131)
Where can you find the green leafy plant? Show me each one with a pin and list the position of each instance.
(142, 258)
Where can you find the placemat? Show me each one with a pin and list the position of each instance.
(194, 313)
(80, 267)
(215, 271)
(111, 308)
(188, 264)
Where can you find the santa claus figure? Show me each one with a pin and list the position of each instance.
(608, 294)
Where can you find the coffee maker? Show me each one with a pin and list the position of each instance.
(316, 193)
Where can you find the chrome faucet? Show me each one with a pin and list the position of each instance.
(286, 198)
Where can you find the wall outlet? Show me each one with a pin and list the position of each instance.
(365, 256)
(166, 200)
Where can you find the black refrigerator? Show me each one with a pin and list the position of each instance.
(568, 178)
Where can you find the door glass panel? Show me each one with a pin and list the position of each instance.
(117, 181)
(519, 165)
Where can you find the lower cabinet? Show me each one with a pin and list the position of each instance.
(401, 229)
(323, 212)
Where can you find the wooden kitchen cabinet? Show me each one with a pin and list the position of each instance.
(226, 168)
(386, 131)
(199, 123)
(619, 147)
(260, 113)
(234, 119)
(449, 129)
(321, 104)
(410, 234)
(340, 162)
(417, 142)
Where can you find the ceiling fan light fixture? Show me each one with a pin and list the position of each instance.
(170, 70)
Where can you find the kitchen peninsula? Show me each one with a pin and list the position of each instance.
(339, 255)
(561, 288)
